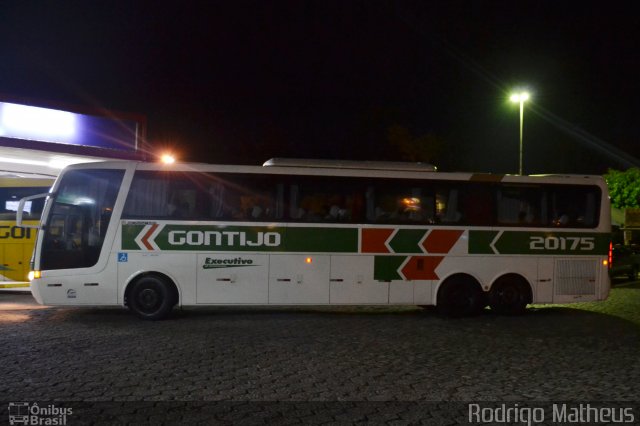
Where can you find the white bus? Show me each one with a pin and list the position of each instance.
(153, 236)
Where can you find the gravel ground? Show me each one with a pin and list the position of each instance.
(315, 364)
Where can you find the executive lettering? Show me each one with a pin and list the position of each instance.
(236, 261)
(211, 263)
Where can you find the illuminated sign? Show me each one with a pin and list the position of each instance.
(33, 123)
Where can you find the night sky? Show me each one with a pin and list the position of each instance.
(240, 82)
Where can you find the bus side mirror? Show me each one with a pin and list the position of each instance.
(21, 210)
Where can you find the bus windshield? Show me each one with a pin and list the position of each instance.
(79, 217)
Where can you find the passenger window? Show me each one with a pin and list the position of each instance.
(574, 207)
(326, 200)
(447, 206)
(204, 196)
(521, 206)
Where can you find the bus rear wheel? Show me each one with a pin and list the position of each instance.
(460, 296)
(151, 297)
(510, 295)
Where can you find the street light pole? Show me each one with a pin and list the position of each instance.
(520, 98)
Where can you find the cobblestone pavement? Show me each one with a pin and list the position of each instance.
(310, 360)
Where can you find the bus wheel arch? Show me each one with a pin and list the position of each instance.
(460, 295)
(151, 295)
(510, 294)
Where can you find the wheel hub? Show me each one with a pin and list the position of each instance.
(148, 298)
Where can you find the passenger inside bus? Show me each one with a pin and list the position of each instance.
(181, 210)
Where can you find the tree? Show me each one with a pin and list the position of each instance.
(624, 187)
(424, 148)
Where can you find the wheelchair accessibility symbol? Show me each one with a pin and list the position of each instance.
(123, 257)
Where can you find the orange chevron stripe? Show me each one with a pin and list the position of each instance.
(441, 240)
(422, 268)
(373, 240)
(145, 239)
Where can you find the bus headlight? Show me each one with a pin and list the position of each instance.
(33, 275)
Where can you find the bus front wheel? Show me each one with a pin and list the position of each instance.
(510, 295)
(151, 297)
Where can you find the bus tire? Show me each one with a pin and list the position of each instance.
(510, 295)
(460, 296)
(152, 297)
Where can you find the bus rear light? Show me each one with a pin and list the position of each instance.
(610, 257)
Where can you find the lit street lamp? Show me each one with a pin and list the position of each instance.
(521, 98)
(167, 158)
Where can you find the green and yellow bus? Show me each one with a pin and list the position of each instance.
(16, 243)
(153, 236)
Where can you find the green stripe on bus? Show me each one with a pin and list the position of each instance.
(539, 243)
(243, 238)
(330, 240)
(345, 240)
(480, 242)
(129, 234)
(385, 268)
(406, 241)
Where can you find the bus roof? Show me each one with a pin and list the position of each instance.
(350, 169)
(350, 164)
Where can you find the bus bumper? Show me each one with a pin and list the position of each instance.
(35, 291)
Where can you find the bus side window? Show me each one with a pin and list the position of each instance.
(215, 195)
(449, 212)
(181, 210)
(148, 196)
(477, 204)
(386, 206)
(574, 207)
(520, 205)
(315, 207)
(563, 208)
